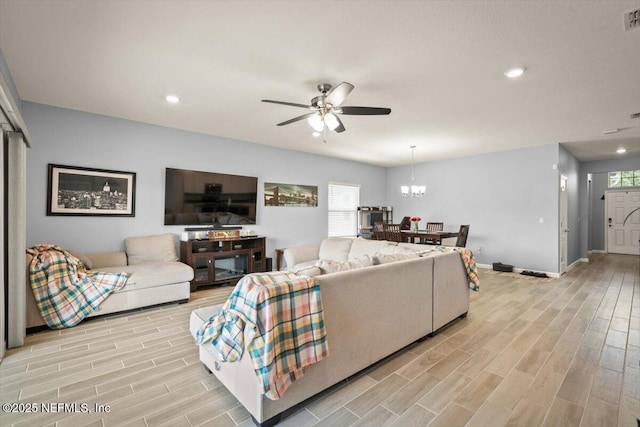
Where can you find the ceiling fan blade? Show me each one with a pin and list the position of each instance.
(292, 104)
(365, 111)
(295, 119)
(338, 94)
(340, 127)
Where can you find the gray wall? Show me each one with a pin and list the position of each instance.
(599, 184)
(501, 195)
(569, 166)
(75, 138)
(593, 226)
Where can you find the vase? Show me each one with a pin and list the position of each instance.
(414, 226)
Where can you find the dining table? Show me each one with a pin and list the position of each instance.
(427, 237)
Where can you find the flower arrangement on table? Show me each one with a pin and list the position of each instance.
(414, 222)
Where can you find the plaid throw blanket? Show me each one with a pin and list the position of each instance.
(280, 316)
(64, 291)
(467, 259)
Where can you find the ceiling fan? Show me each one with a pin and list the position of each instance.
(326, 108)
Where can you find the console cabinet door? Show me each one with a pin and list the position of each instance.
(202, 268)
(257, 260)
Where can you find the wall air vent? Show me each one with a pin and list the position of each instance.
(632, 19)
(635, 116)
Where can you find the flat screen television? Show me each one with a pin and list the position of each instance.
(209, 198)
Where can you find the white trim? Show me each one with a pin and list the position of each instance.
(10, 108)
(597, 251)
(576, 262)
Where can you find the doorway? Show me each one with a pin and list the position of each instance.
(622, 221)
(563, 221)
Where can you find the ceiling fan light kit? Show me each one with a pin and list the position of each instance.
(327, 106)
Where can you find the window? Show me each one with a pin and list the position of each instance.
(624, 179)
(344, 200)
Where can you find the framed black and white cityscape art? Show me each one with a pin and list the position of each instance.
(74, 190)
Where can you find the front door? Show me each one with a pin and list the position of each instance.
(623, 222)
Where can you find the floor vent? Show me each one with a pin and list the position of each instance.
(632, 20)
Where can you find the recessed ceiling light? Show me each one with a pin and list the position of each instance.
(621, 150)
(514, 73)
(172, 99)
(316, 134)
(610, 131)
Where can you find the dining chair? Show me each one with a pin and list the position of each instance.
(392, 232)
(378, 231)
(461, 242)
(435, 226)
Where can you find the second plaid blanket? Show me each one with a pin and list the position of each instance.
(64, 291)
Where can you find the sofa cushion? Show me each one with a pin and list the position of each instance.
(335, 249)
(361, 247)
(390, 250)
(156, 248)
(152, 274)
(387, 258)
(303, 265)
(107, 259)
(311, 271)
(328, 266)
(82, 257)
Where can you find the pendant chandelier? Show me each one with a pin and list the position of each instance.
(413, 190)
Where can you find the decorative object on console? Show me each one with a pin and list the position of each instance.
(413, 190)
(415, 221)
(223, 235)
(74, 190)
(276, 194)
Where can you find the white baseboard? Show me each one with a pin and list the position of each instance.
(597, 251)
(576, 262)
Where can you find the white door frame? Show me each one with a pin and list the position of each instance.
(563, 219)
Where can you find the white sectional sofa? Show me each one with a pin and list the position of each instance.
(155, 276)
(370, 312)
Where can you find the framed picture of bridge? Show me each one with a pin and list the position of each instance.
(296, 195)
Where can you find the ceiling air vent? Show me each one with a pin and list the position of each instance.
(632, 20)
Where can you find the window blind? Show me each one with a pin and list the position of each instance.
(344, 200)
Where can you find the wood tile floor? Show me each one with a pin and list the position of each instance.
(562, 352)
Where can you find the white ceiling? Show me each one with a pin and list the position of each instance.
(438, 65)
